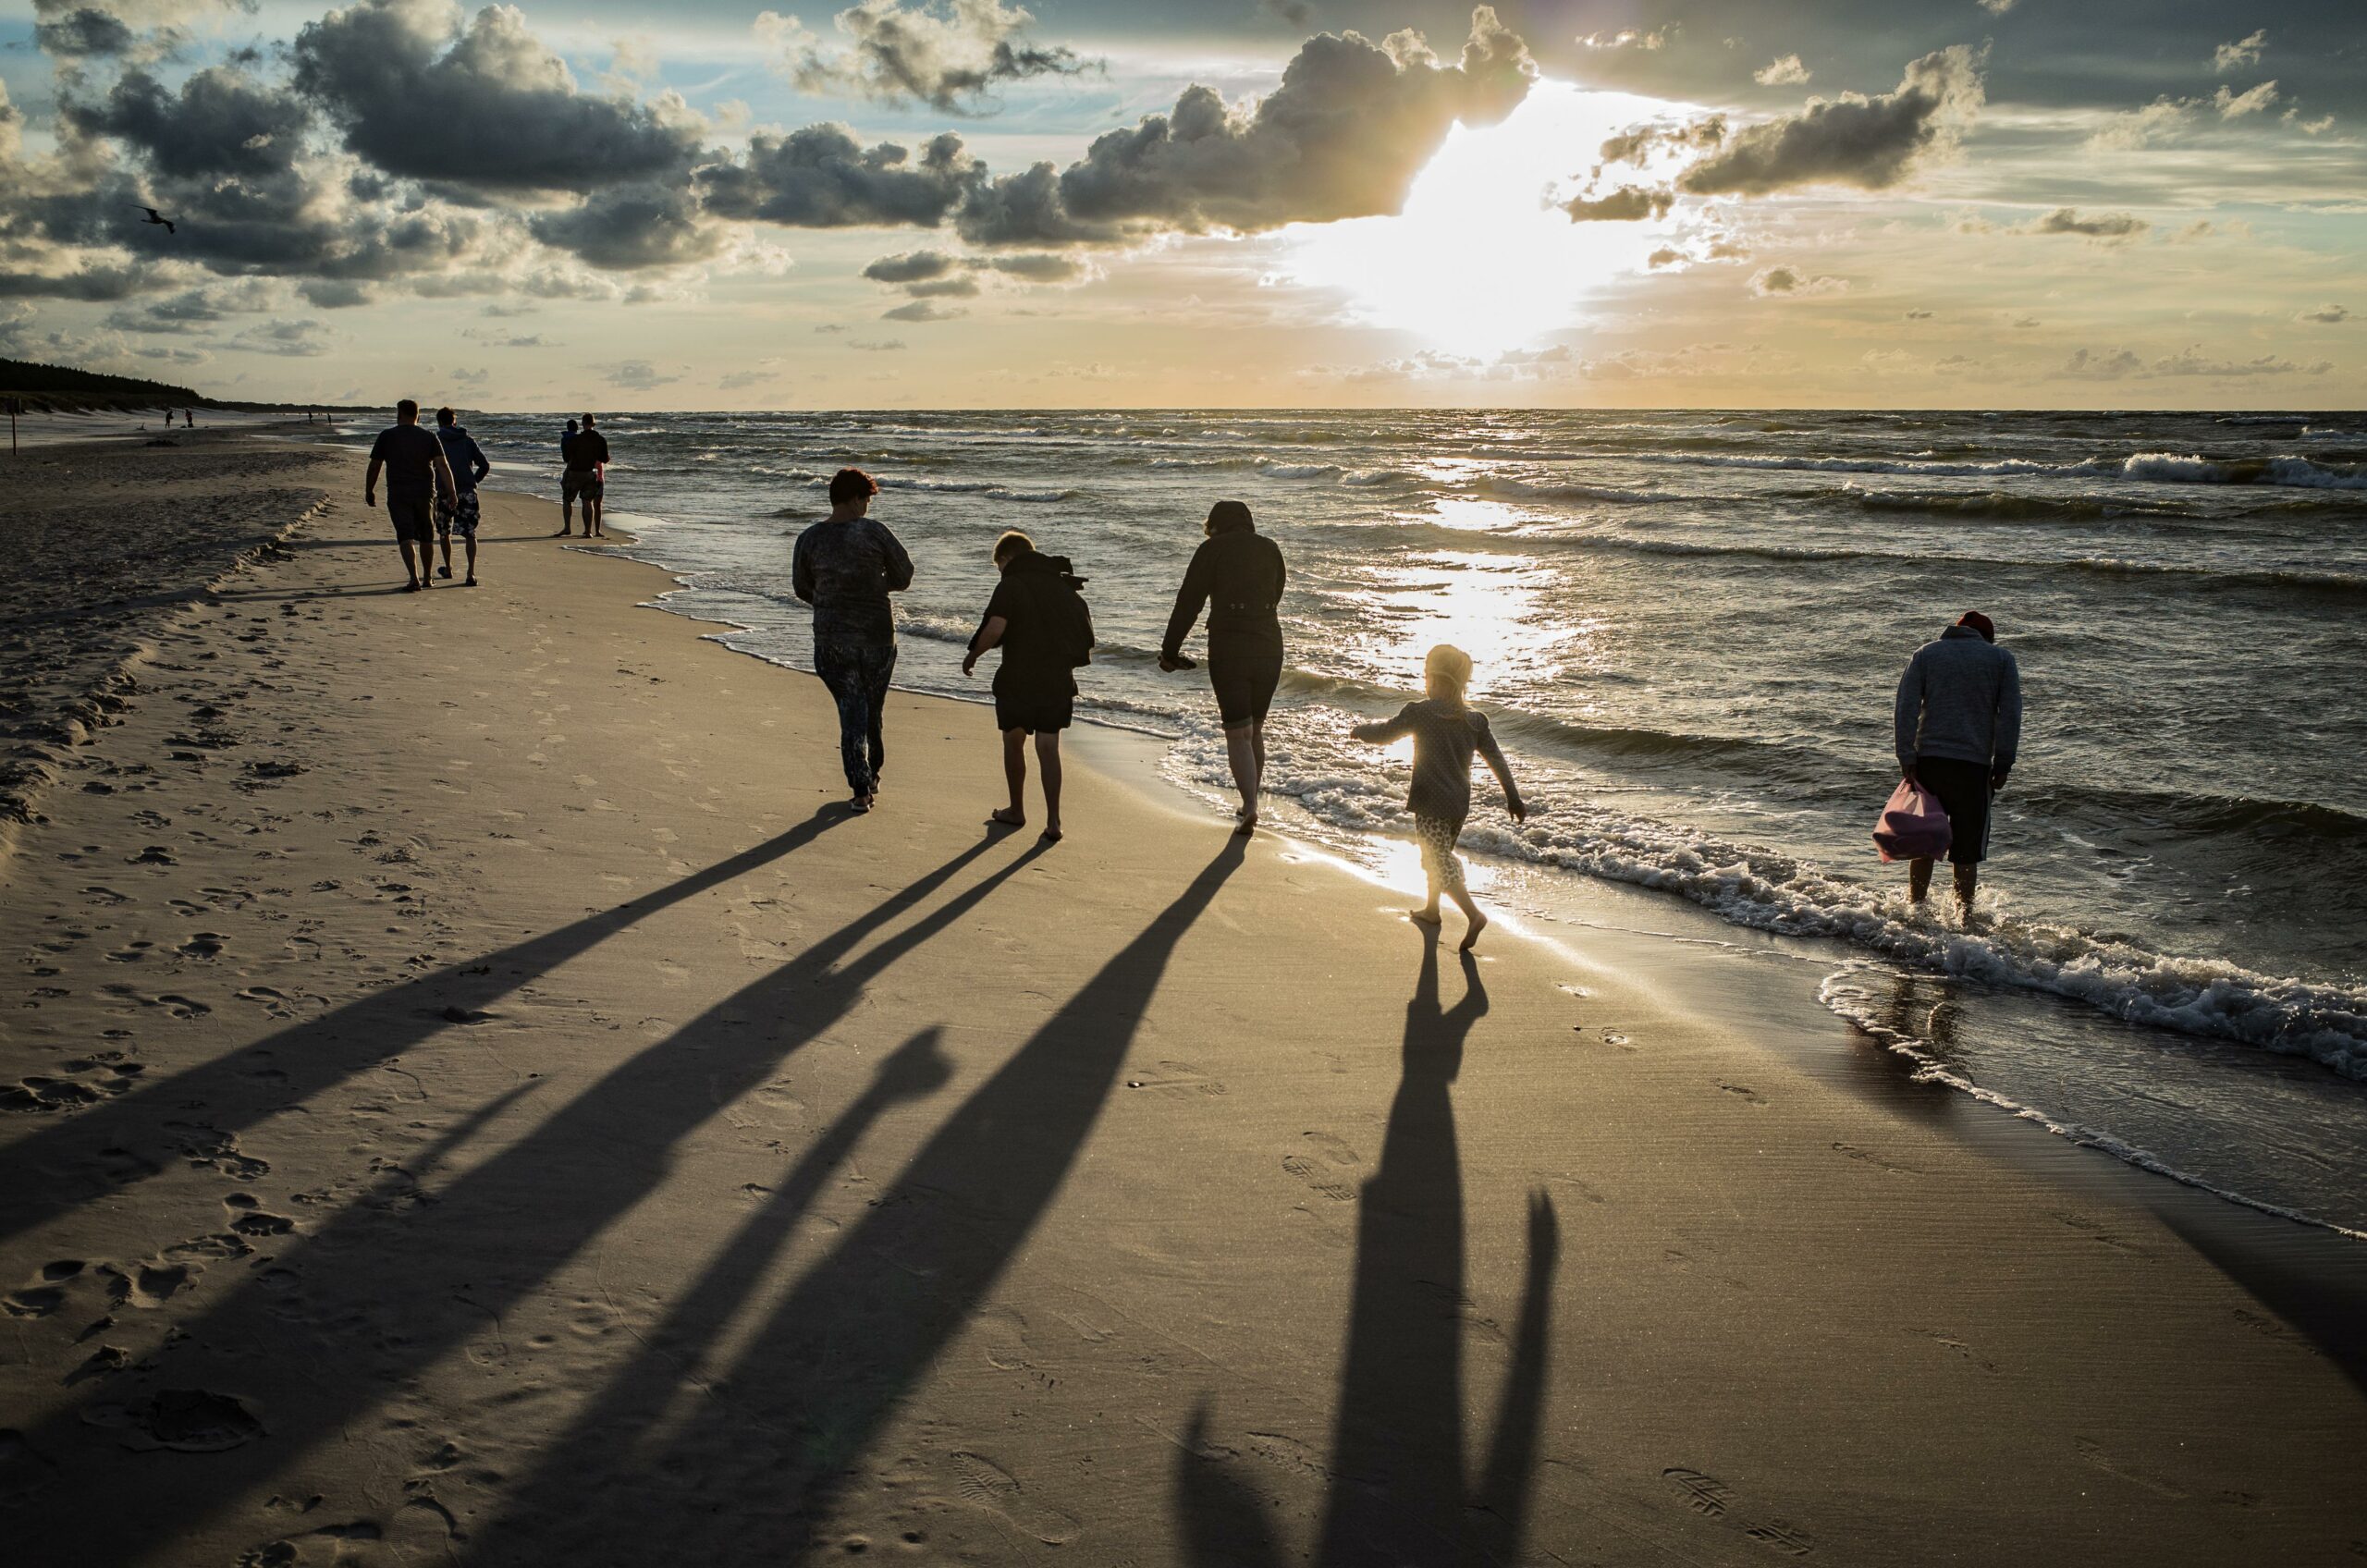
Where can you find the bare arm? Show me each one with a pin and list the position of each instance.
(370, 483)
(990, 635)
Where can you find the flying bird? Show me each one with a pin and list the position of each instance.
(155, 216)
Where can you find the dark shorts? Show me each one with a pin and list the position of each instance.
(1040, 711)
(458, 516)
(414, 517)
(1963, 789)
(1243, 678)
(582, 481)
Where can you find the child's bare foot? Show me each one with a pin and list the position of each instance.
(1246, 825)
(1423, 916)
(1471, 937)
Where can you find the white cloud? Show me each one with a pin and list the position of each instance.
(1785, 70)
(2243, 51)
(2251, 101)
(1786, 283)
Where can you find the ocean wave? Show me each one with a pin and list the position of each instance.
(1003, 493)
(2208, 997)
(1499, 485)
(1298, 471)
(2160, 468)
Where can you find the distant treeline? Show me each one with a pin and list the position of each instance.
(24, 376)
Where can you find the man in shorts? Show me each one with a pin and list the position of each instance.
(1958, 724)
(459, 514)
(587, 454)
(1034, 617)
(416, 473)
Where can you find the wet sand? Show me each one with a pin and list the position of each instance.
(490, 1104)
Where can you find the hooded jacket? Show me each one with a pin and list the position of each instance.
(1961, 697)
(1033, 657)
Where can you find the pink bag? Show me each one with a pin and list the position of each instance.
(1914, 824)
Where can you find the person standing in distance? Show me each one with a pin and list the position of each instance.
(587, 454)
(845, 567)
(459, 515)
(1237, 574)
(416, 473)
(1958, 729)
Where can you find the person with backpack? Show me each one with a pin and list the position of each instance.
(1237, 574)
(1038, 618)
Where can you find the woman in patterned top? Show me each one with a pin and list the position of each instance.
(1446, 732)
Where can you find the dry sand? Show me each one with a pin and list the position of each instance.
(490, 1104)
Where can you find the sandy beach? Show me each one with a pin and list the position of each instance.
(476, 1096)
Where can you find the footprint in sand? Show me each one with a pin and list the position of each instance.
(186, 1420)
(1324, 1166)
(1744, 1092)
(987, 1485)
(1712, 1499)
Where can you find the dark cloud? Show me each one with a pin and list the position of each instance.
(913, 266)
(302, 339)
(487, 108)
(2326, 314)
(220, 122)
(960, 288)
(632, 228)
(2123, 364)
(820, 176)
(1039, 268)
(1342, 136)
(1629, 203)
(2110, 227)
(81, 32)
(1291, 13)
(333, 293)
(91, 283)
(1871, 144)
(947, 53)
(1637, 142)
(922, 310)
(192, 310)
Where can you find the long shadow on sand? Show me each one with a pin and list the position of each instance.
(1398, 1492)
(352, 1305)
(96, 1152)
(750, 1471)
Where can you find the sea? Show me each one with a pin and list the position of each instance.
(1689, 629)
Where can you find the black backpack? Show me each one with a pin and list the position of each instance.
(1072, 618)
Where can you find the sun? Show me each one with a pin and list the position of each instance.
(1482, 261)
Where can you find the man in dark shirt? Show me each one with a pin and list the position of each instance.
(586, 453)
(416, 473)
(1034, 690)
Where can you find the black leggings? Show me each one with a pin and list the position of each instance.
(1243, 674)
(857, 677)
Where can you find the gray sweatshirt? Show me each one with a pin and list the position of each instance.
(1961, 697)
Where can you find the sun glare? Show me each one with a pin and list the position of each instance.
(1482, 261)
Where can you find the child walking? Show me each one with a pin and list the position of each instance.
(1038, 619)
(1446, 732)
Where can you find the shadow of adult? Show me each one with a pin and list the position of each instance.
(99, 1150)
(389, 1287)
(1398, 1492)
(753, 1471)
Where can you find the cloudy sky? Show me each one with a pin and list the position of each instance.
(1727, 203)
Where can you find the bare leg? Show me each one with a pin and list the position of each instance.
(1241, 751)
(567, 519)
(594, 508)
(414, 572)
(1048, 762)
(445, 542)
(472, 560)
(1428, 913)
(1014, 773)
(1476, 922)
(1919, 878)
(1967, 876)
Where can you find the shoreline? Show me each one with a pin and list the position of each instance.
(608, 1104)
(1561, 901)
